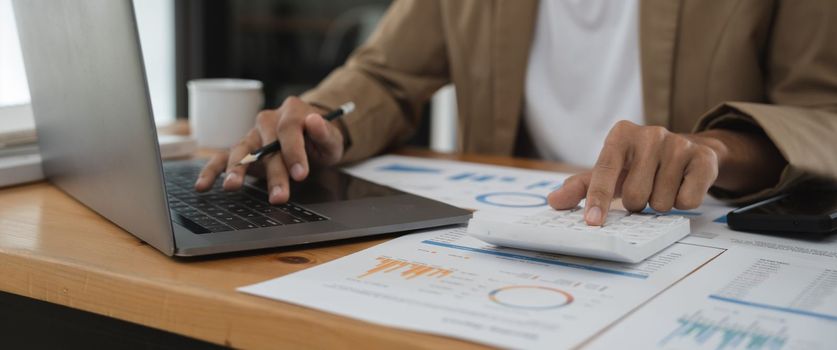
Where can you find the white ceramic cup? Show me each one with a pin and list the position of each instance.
(222, 111)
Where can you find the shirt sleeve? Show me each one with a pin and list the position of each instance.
(801, 118)
(389, 78)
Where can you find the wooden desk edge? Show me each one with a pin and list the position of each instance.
(247, 322)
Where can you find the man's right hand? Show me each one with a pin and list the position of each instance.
(290, 123)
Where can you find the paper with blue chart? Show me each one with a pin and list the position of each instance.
(466, 185)
(715, 289)
(742, 300)
(448, 283)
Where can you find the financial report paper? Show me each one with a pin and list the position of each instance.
(742, 300)
(448, 283)
(716, 289)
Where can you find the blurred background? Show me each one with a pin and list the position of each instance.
(290, 45)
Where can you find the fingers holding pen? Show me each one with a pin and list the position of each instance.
(289, 125)
(289, 130)
(235, 171)
(273, 164)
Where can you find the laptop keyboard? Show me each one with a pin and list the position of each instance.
(219, 211)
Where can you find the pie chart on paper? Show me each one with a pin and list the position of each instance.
(530, 297)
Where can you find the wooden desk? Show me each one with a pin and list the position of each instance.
(54, 249)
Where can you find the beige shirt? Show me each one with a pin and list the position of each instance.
(582, 77)
(771, 65)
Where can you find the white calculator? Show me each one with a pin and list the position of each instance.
(625, 237)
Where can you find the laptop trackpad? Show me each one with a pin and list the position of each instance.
(331, 185)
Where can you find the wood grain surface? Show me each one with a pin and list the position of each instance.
(53, 248)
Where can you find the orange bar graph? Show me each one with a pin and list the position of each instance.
(387, 265)
(416, 271)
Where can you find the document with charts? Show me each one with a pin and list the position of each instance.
(448, 283)
(462, 184)
(744, 299)
(488, 187)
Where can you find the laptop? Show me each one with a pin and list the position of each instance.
(98, 143)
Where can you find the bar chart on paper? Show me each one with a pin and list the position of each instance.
(466, 185)
(520, 292)
(406, 270)
(747, 300)
(723, 331)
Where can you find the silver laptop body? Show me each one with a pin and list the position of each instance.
(98, 142)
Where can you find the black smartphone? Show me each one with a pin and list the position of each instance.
(809, 213)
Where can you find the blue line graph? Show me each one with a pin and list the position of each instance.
(462, 176)
(776, 308)
(538, 185)
(507, 179)
(401, 168)
(470, 176)
(552, 185)
(483, 178)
